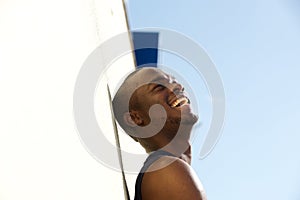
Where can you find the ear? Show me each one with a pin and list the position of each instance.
(132, 118)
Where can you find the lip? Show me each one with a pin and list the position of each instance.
(176, 98)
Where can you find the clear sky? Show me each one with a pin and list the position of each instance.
(256, 47)
(254, 44)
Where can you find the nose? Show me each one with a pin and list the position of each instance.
(176, 87)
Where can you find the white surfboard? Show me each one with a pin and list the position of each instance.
(43, 45)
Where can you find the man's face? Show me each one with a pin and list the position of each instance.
(161, 88)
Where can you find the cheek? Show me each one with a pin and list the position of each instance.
(152, 113)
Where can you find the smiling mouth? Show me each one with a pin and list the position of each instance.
(180, 102)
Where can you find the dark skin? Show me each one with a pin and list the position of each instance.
(168, 177)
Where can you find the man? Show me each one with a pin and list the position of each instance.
(166, 174)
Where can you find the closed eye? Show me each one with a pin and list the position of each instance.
(158, 87)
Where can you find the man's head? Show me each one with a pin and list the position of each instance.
(140, 91)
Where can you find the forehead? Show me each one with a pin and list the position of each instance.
(148, 75)
(143, 78)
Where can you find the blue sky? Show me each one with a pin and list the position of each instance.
(255, 46)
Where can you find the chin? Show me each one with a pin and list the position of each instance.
(191, 119)
(185, 119)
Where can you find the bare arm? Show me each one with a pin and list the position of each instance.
(176, 181)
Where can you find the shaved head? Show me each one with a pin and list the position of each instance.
(122, 97)
(141, 90)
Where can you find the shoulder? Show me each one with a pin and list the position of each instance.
(171, 178)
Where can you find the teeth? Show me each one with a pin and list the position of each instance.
(181, 100)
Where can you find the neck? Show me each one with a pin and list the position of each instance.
(179, 145)
(181, 149)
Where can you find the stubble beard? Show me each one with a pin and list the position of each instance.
(181, 126)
